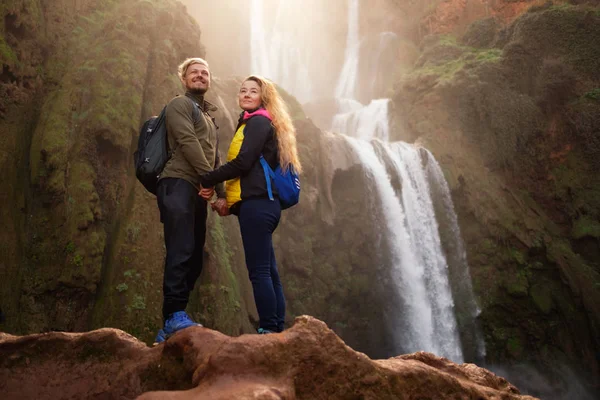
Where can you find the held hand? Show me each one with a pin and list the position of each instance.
(206, 193)
(220, 206)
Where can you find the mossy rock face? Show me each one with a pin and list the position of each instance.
(517, 285)
(556, 32)
(586, 226)
(89, 253)
(439, 50)
(516, 134)
(481, 33)
(542, 297)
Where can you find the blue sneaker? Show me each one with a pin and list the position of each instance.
(262, 331)
(177, 321)
(160, 337)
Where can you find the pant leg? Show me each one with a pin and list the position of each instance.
(197, 260)
(176, 201)
(258, 219)
(278, 288)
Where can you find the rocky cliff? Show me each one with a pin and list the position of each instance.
(509, 108)
(511, 112)
(82, 243)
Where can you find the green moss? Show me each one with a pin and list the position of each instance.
(542, 297)
(85, 205)
(576, 184)
(121, 287)
(458, 59)
(7, 55)
(77, 260)
(70, 248)
(586, 226)
(515, 346)
(218, 298)
(517, 284)
(593, 94)
(561, 7)
(517, 256)
(133, 231)
(491, 55)
(565, 31)
(51, 142)
(138, 302)
(448, 40)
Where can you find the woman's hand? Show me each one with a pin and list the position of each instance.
(220, 206)
(206, 193)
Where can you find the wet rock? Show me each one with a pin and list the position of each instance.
(308, 361)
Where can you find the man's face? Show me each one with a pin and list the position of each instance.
(197, 78)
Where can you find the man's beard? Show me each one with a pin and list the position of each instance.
(198, 91)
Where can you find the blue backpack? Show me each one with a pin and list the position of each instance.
(287, 184)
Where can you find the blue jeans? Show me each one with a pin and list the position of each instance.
(258, 218)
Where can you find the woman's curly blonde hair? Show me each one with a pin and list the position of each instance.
(285, 132)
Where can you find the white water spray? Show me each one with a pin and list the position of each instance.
(418, 265)
(346, 86)
(275, 54)
(364, 122)
(426, 318)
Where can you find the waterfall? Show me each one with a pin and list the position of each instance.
(275, 53)
(419, 266)
(427, 260)
(364, 122)
(347, 83)
(385, 40)
(457, 259)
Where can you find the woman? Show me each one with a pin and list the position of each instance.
(265, 128)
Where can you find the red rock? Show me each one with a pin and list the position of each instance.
(308, 361)
(455, 15)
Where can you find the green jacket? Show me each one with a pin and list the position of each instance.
(193, 144)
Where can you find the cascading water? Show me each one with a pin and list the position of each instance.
(418, 262)
(364, 122)
(275, 54)
(347, 82)
(456, 256)
(386, 39)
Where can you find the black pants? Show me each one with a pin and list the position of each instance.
(183, 214)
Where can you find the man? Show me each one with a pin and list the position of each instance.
(192, 136)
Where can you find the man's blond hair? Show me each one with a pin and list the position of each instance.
(183, 67)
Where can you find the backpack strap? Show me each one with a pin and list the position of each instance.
(268, 175)
(195, 111)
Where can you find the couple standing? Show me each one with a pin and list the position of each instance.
(194, 173)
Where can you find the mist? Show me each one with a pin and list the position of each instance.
(303, 48)
(312, 33)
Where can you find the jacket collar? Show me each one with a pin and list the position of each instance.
(199, 99)
(259, 111)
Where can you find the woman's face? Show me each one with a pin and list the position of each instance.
(249, 96)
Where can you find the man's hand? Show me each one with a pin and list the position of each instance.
(206, 193)
(220, 206)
